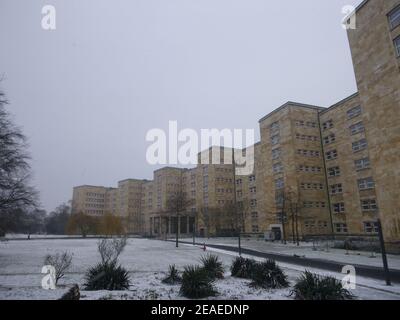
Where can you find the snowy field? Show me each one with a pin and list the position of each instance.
(147, 261)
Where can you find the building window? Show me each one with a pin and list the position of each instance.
(277, 167)
(362, 164)
(334, 172)
(397, 45)
(275, 139)
(365, 184)
(369, 205)
(311, 185)
(279, 183)
(279, 196)
(354, 112)
(330, 139)
(357, 128)
(336, 188)
(254, 215)
(341, 227)
(253, 190)
(330, 155)
(394, 17)
(252, 178)
(327, 125)
(253, 202)
(276, 153)
(338, 207)
(371, 227)
(308, 153)
(359, 145)
(274, 127)
(254, 228)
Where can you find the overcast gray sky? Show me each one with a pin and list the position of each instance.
(87, 93)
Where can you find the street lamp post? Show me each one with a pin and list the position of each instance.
(383, 251)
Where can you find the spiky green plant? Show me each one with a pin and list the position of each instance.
(213, 266)
(173, 276)
(310, 286)
(196, 283)
(268, 275)
(242, 267)
(107, 276)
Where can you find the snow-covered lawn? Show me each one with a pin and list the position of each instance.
(147, 261)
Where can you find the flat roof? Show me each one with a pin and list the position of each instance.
(362, 4)
(337, 104)
(293, 104)
(91, 186)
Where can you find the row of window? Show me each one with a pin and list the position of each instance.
(306, 137)
(251, 178)
(363, 184)
(360, 164)
(304, 168)
(311, 186)
(308, 153)
(369, 227)
(97, 195)
(310, 224)
(314, 204)
(224, 190)
(352, 113)
(309, 124)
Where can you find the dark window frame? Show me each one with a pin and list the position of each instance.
(395, 9)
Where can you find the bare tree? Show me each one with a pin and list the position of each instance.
(15, 191)
(178, 204)
(61, 263)
(288, 201)
(110, 249)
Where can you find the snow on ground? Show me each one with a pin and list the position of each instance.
(307, 249)
(146, 260)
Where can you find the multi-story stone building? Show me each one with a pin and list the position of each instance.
(89, 200)
(375, 47)
(130, 195)
(293, 182)
(317, 171)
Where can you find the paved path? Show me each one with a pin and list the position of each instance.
(362, 270)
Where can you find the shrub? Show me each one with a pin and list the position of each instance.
(173, 276)
(242, 268)
(110, 249)
(107, 276)
(213, 266)
(196, 283)
(269, 275)
(311, 286)
(61, 263)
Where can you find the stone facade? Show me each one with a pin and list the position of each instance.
(293, 185)
(376, 65)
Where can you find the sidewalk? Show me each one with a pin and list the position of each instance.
(306, 250)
